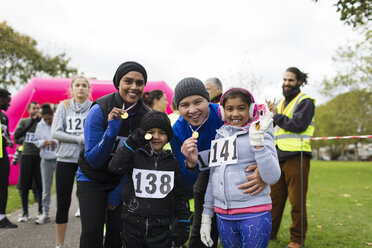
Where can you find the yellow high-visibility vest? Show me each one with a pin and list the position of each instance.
(290, 141)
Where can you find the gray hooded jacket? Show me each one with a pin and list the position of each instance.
(68, 129)
(222, 190)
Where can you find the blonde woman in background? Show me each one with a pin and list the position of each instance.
(68, 129)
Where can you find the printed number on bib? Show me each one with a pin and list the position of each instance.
(119, 142)
(75, 124)
(203, 158)
(223, 151)
(152, 183)
(30, 137)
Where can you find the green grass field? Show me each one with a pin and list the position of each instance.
(339, 206)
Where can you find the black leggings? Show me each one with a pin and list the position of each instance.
(65, 175)
(4, 181)
(93, 214)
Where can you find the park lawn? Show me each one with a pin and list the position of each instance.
(339, 206)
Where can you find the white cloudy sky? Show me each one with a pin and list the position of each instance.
(233, 40)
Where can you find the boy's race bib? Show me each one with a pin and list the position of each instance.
(223, 151)
(152, 183)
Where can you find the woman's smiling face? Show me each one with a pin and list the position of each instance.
(131, 87)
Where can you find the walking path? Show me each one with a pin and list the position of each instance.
(28, 234)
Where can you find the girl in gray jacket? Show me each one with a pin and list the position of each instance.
(246, 138)
(68, 129)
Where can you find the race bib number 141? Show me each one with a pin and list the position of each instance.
(223, 151)
(152, 183)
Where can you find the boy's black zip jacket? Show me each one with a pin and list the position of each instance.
(174, 204)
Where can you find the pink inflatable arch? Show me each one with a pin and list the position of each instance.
(54, 90)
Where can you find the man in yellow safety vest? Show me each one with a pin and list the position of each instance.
(294, 124)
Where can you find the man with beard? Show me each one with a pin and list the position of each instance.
(294, 120)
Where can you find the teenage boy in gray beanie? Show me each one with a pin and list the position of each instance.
(193, 133)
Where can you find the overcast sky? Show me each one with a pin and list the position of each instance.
(236, 41)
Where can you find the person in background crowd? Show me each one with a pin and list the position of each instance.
(68, 129)
(30, 165)
(48, 147)
(109, 122)
(4, 160)
(173, 117)
(294, 120)
(147, 224)
(242, 220)
(156, 100)
(214, 88)
(193, 132)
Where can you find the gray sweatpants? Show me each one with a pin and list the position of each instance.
(47, 170)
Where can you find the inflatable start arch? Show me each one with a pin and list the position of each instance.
(54, 90)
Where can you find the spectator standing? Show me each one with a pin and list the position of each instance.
(214, 88)
(294, 119)
(48, 147)
(30, 165)
(4, 160)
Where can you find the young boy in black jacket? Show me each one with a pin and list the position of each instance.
(153, 194)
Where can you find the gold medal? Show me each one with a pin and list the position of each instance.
(257, 125)
(148, 136)
(125, 115)
(195, 135)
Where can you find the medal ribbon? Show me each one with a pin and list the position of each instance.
(192, 130)
(126, 110)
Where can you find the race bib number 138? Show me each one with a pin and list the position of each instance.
(152, 183)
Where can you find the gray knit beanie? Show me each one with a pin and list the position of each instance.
(188, 87)
(157, 119)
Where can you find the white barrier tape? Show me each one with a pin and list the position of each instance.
(341, 137)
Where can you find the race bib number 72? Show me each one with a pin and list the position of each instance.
(152, 183)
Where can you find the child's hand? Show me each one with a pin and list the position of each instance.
(137, 139)
(205, 230)
(180, 232)
(258, 129)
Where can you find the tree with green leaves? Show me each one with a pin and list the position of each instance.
(20, 60)
(346, 114)
(354, 12)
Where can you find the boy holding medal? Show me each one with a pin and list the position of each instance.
(153, 193)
